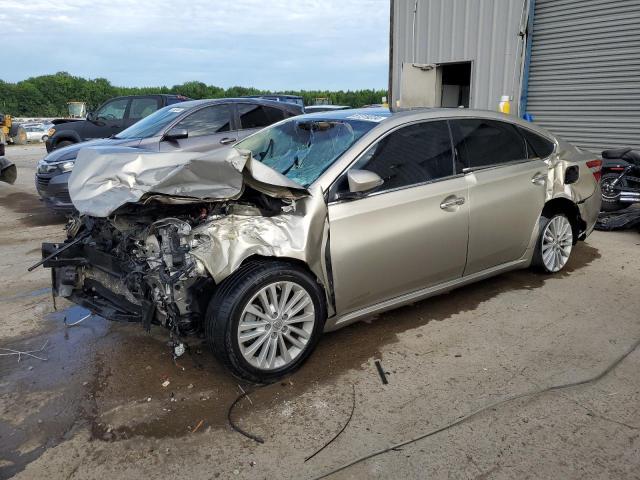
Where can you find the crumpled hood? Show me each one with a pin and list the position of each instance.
(105, 179)
(71, 152)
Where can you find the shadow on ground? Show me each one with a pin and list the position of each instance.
(35, 212)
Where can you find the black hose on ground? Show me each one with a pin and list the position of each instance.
(468, 417)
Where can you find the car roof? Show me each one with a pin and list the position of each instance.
(256, 101)
(408, 115)
(372, 114)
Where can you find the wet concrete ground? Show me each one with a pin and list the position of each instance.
(97, 406)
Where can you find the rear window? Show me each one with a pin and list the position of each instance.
(481, 143)
(537, 145)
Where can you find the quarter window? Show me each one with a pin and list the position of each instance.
(207, 121)
(537, 146)
(412, 155)
(113, 110)
(481, 143)
(258, 116)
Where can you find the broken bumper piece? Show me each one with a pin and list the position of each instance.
(69, 280)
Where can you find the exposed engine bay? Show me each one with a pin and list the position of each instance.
(151, 263)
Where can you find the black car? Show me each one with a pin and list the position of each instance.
(197, 126)
(112, 117)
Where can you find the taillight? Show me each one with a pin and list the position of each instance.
(596, 168)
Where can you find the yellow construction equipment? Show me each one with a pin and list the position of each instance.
(10, 132)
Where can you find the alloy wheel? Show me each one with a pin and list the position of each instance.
(276, 325)
(557, 242)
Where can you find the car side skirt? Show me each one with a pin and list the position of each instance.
(340, 321)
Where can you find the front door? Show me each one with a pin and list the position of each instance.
(108, 120)
(408, 234)
(209, 128)
(506, 191)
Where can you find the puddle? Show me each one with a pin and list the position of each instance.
(36, 214)
(108, 377)
(41, 400)
(35, 293)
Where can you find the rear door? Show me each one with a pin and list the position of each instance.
(139, 108)
(506, 190)
(408, 234)
(209, 128)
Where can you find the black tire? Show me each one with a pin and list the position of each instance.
(233, 294)
(610, 203)
(62, 144)
(538, 263)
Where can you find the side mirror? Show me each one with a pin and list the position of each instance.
(363, 180)
(176, 134)
(90, 116)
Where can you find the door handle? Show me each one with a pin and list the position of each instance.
(539, 179)
(452, 202)
(227, 140)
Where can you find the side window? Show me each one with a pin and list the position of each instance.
(409, 156)
(258, 116)
(481, 143)
(207, 121)
(537, 146)
(113, 110)
(141, 107)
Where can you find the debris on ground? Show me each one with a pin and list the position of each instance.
(621, 220)
(76, 322)
(238, 429)
(29, 353)
(200, 423)
(166, 383)
(381, 372)
(353, 407)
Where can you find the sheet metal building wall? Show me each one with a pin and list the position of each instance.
(584, 82)
(483, 31)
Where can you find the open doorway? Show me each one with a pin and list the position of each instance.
(456, 84)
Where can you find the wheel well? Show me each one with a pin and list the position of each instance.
(291, 261)
(65, 139)
(563, 205)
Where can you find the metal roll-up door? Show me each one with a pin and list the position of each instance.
(584, 75)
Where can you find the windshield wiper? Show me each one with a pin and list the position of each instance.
(264, 154)
(295, 163)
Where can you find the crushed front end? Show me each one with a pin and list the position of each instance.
(135, 267)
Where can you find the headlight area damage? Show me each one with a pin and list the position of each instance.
(158, 232)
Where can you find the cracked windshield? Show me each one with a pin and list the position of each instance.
(303, 150)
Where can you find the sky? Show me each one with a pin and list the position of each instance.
(274, 44)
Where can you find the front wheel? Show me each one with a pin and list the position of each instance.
(555, 242)
(265, 320)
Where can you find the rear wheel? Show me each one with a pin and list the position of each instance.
(265, 320)
(555, 243)
(610, 194)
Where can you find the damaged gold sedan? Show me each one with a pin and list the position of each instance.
(316, 222)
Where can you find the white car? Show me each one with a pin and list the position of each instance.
(36, 132)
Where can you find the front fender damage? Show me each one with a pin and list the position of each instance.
(162, 231)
